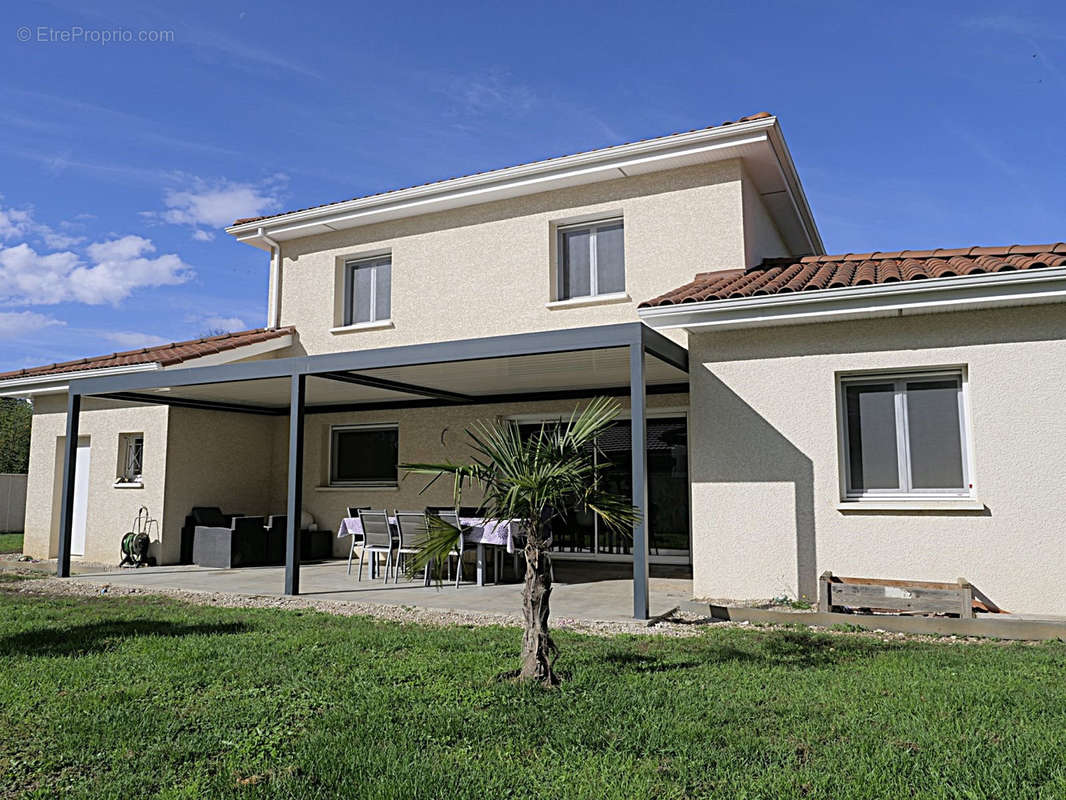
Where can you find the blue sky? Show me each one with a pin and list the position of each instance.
(912, 126)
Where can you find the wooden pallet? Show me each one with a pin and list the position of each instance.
(898, 596)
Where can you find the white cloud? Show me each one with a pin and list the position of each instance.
(27, 276)
(238, 51)
(133, 340)
(15, 222)
(224, 323)
(488, 93)
(19, 223)
(17, 324)
(216, 205)
(58, 240)
(116, 268)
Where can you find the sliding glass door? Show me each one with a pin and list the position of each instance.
(668, 513)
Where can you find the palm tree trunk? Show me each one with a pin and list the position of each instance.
(538, 649)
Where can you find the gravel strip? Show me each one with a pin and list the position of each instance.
(674, 624)
(677, 626)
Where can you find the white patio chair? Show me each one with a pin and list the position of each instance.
(377, 538)
(412, 528)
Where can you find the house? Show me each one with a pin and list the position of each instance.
(786, 411)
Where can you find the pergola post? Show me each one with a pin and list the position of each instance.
(70, 465)
(639, 436)
(297, 394)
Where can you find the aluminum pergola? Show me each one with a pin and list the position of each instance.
(280, 387)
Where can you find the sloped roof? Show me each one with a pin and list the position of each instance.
(785, 275)
(749, 118)
(165, 354)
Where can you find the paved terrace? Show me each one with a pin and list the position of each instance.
(581, 590)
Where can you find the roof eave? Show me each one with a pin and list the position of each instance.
(57, 381)
(530, 178)
(954, 293)
(795, 189)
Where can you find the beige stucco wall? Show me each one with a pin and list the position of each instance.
(487, 269)
(761, 237)
(765, 474)
(110, 510)
(216, 458)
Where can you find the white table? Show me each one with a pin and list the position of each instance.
(477, 531)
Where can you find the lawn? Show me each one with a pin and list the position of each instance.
(10, 543)
(122, 698)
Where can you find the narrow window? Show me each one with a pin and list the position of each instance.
(368, 290)
(905, 435)
(364, 455)
(130, 457)
(591, 260)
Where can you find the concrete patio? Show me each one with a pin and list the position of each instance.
(592, 591)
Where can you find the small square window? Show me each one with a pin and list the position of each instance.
(364, 455)
(591, 260)
(905, 436)
(368, 290)
(130, 457)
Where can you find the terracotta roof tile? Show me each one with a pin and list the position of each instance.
(811, 273)
(749, 118)
(166, 354)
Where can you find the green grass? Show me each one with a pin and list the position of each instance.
(13, 577)
(123, 698)
(10, 542)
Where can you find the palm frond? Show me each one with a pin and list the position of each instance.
(534, 477)
(440, 539)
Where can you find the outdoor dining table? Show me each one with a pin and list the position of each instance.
(477, 531)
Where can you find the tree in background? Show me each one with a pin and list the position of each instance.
(15, 418)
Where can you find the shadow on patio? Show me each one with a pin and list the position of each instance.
(582, 590)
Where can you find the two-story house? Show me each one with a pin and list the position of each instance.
(786, 412)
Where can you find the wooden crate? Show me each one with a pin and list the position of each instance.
(900, 596)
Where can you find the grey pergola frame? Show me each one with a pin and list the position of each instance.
(637, 337)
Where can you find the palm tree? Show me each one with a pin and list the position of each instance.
(538, 480)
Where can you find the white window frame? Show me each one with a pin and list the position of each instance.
(376, 426)
(350, 266)
(126, 443)
(593, 228)
(905, 492)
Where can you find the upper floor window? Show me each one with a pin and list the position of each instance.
(591, 260)
(905, 435)
(368, 289)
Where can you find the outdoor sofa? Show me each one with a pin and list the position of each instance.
(228, 540)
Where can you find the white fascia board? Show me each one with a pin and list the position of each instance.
(796, 194)
(58, 382)
(514, 187)
(878, 300)
(522, 179)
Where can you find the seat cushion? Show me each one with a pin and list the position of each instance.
(210, 517)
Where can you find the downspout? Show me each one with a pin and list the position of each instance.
(274, 294)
